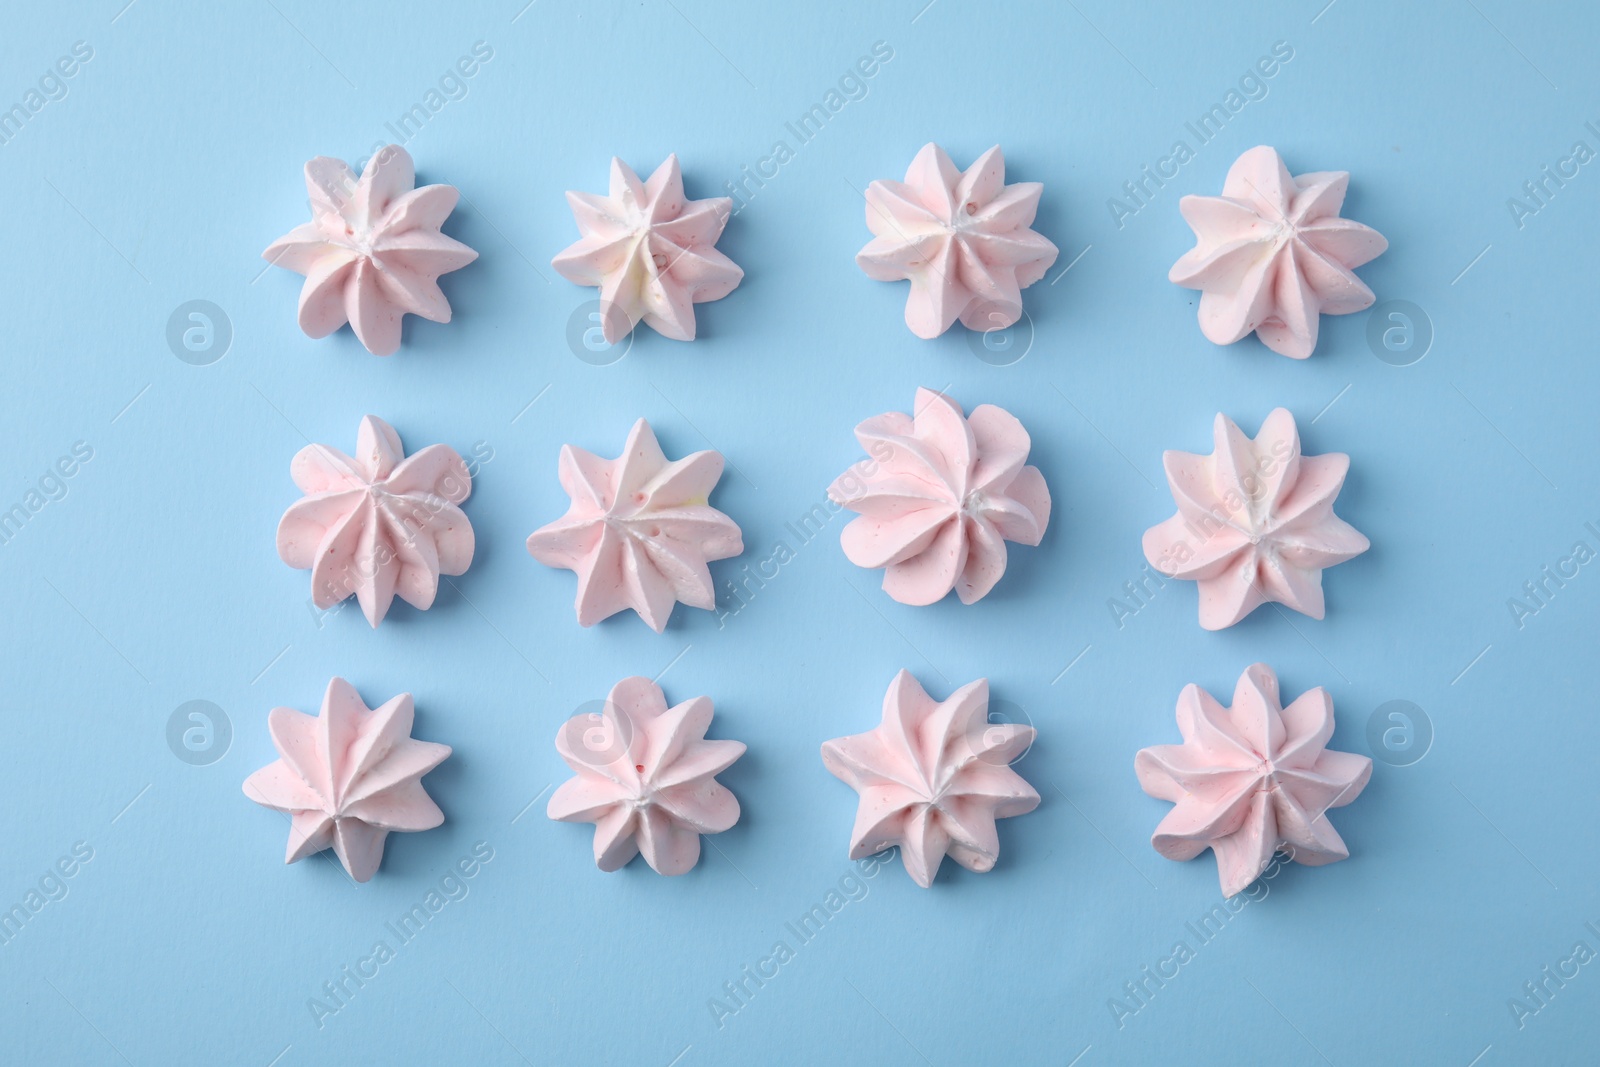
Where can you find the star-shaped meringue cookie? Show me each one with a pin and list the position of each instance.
(372, 252)
(1252, 779)
(651, 250)
(640, 531)
(646, 778)
(1255, 522)
(933, 778)
(939, 496)
(962, 238)
(379, 524)
(1271, 254)
(348, 777)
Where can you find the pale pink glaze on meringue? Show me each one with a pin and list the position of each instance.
(962, 238)
(1271, 254)
(1255, 522)
(348, 777)
(372, 251)
(378, 525)
(934, 776)
(651, 250)
(938, 498)
(1252, 779)
(640, 531)
(646, 778)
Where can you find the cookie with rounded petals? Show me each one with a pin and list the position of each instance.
(372, 252)
(939, 496)
(640, 530)
(934, 776)
(1255, 522)
(646, 778)
(650, 250)
(1272, 255)
(1252, 780)
(378, 524)
(348, 777)
(962, 238)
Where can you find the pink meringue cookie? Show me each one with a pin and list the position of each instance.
(961, 238)
(1255, 522)
(1252, 779)
(938, 498)
(934, 776)
(651, 250)
(1271, 254)
(378, 525)
(372, 251)
(646, 778)
(348, 777)
(640, 531)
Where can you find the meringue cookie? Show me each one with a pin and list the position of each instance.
(962, 238)
(1252, 779)
(372, 251)
(646, 778)
(639, 531)
(651, 250)
(933, 778)
(378, 525)
(1272, 254)
(939, 497)
(1255, 522)
(347, 777)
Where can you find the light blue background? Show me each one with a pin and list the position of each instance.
(176, 157)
